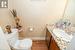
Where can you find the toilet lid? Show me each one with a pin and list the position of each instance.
(24, 44)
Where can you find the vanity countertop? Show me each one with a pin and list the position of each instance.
(61, 43)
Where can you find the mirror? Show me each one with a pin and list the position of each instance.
(69, 11)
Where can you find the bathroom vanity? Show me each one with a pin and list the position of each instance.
(51, 43)
(54, 40)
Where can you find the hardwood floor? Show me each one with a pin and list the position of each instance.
(39, 45)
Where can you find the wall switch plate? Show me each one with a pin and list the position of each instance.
(3, 3)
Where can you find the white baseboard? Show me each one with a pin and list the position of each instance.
(37, 38)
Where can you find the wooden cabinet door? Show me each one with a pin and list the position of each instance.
(53, 45)
(48, 37)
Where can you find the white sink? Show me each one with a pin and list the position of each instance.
(61, 34)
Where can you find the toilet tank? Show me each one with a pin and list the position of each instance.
(12, 37)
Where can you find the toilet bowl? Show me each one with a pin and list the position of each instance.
(24, 44)
(15, 43)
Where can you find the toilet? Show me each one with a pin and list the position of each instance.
(24, 44)
(15, 43)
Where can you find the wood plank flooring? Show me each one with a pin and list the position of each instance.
(39, 45)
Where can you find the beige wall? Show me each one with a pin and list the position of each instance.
(5, 18)
(70, 11)
(35, 14)
(5, 15)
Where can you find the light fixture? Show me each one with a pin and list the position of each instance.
(3, 3)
